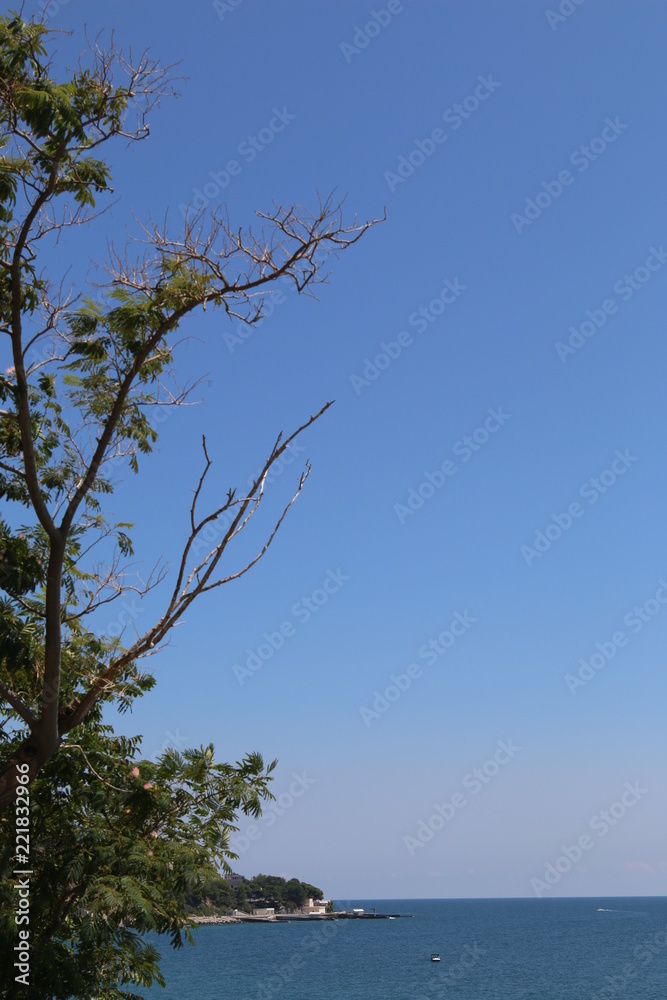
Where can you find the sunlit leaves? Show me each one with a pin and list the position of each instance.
(119, 843)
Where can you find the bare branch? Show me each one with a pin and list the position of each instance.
(17, 704)
(93, 408)
(241, 572)
(75, 746)
(185, 593)
(237, 268)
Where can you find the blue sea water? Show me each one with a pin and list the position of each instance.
(498, 949)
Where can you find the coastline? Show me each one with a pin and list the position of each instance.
(285, 918)
(215, 919)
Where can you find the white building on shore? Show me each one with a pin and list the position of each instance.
(317, 906)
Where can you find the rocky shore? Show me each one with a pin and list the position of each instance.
(292, 917)
(215, 919)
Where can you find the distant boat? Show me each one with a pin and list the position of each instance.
(435, 957)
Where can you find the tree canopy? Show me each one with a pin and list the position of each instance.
(117, 846)
(214, 894)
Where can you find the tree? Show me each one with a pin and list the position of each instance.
(85, 404)
(118, 846)
(296, 893)
(275, 891)
(76, 401)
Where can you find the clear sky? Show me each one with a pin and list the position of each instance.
(485, 516)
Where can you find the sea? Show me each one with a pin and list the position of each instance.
(493, 949)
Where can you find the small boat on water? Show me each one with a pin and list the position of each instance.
(435, 957)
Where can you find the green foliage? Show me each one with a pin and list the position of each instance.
(214, 895)
(58, 114)
(119, 845)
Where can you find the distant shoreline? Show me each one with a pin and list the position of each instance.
(284, 918)
(215, 919)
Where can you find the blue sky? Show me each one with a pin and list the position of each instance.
(532, 201)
